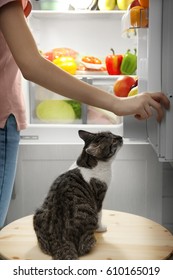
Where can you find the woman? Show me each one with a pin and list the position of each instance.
(19, 54)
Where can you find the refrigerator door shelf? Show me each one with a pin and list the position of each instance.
(165, 133)
(161, 136)
(132, 20)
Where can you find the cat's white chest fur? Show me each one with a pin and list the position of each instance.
(102, 172)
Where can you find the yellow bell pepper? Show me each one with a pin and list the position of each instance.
(67, 63)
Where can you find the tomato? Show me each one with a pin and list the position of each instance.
(91, 59)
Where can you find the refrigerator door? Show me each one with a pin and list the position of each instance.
(166, 128)
(134, 129)
(160, 61)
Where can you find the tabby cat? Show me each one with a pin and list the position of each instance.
(71, 212)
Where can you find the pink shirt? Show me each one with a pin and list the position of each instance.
(11, 97)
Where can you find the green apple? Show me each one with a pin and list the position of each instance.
(107, 4)
(123, 4)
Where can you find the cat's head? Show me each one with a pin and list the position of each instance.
(101, 145)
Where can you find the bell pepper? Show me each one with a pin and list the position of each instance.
(113, 63)
(129, 63)
(67, 63)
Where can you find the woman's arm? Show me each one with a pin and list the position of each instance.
(40, 71)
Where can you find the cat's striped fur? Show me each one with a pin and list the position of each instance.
(69, 216)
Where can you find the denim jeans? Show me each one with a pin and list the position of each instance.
(9, 143)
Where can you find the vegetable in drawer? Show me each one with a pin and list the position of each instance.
(55, 111)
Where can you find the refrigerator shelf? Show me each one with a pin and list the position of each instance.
(77, 13)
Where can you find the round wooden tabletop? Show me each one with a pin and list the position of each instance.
(128, 237)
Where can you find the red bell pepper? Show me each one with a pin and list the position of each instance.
(113, 63)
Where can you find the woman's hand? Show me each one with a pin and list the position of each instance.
(142, 105)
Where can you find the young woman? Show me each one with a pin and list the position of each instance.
(19, 54)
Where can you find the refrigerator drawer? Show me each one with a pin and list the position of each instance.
(47, 107)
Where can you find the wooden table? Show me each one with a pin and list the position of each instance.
(128, 237)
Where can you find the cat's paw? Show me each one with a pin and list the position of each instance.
(101, 228)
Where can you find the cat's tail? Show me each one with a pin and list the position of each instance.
(67, 251)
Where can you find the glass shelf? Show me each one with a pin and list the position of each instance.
(80, 13)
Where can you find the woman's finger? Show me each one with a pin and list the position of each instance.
(159, 109)
(148, 110)
(144, 114)
(161, 98)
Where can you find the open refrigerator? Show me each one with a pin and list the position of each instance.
(79, 30)
(49, 148)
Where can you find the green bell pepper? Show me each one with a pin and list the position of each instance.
(129, 63)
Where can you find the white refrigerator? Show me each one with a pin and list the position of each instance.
(142, 173)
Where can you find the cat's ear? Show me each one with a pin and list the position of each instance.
(84, 134)
(93, 150)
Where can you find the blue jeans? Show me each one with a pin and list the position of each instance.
(9, 143)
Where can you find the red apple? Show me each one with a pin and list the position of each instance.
(133, 4)
(123, 85)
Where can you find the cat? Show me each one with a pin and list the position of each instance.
(71, 212)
